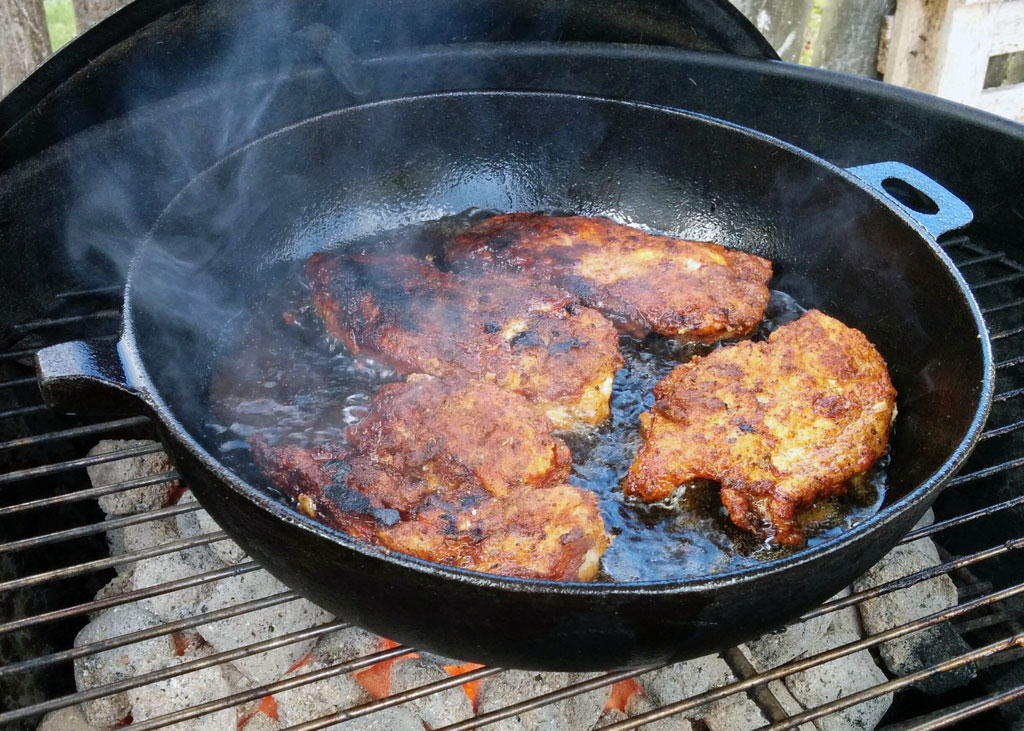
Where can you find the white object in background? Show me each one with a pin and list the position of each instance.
(944, 49)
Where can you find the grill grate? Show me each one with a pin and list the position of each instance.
(53, 558)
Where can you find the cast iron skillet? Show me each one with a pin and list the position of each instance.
(837, 243)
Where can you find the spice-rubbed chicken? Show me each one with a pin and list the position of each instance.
(778, 423)
(683, 289)
(452, 436)
(458, 472)
(506, 329)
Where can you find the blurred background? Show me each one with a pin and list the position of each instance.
(970, 51)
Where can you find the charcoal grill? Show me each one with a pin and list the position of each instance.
(53, 556)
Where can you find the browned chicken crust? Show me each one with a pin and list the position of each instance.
(683, 289)
(461, 473)
(778, 423)
(440, 434)
(502, 328)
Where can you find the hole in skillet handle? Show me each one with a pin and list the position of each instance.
(926, 201)
(910, 196)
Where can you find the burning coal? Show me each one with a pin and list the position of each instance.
(379, 668)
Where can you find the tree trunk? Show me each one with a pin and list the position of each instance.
(781, 22)
(90, 12)
(24, 40)
(849, 35)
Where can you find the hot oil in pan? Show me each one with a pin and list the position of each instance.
(279, 374)
(689, 534)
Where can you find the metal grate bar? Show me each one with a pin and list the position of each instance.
(101, 527)
(29, 352)
(271, 688)
(362, 710)
(894, 685)
(554, 696)
(988, 471)
(98, 291)
(395, 700)
(24, 411)
(1007, 395)
(1009, 656)
(74, 432)
(762, 695)
(1003, 334)
(131, 596)
(1005, 279)
(15, 382)
(982, 259)
(975, 588)
(799, 665)
(963, 711)
(997, 617)
(70, 497)
(18, 354)
(1001, 430)
(485, 718)
(131, 638)
(108, 563)
(910, 579)
(74, 464)
(979, 592)
(183, 669)
(1010, 362)
(31, 325)
(961, 519)
(959, 241)
(1011, 305)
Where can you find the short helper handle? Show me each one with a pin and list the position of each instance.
(952, 212)
(86, 376)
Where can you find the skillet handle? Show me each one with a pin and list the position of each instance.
(87, 376)
(948, 212)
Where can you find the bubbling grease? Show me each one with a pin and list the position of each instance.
(278, 373)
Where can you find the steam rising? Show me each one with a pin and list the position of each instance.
(232, 106)
(259, 66)
(204, 260)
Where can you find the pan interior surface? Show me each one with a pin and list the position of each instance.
(341, 177)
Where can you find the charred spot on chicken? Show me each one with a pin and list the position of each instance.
(644, 282)
(503, 328)
(459, 472)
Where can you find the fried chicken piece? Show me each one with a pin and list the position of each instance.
(458, 472)
(502, 328)
(311, 477)
(688, 290)
(553, 533)
(778, 423)
(455, 436)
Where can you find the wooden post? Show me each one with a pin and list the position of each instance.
(781, 22)
(24, 40)
(944, 47)
(90, 12)
(848, 37)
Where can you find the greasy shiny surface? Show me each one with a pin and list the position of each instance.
(836, 247)
(644, 282)
(503, 328)
(780, 423)
(455, 435)
(281, 376)
(459, 472)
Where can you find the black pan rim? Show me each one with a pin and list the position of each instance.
(921, 496)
